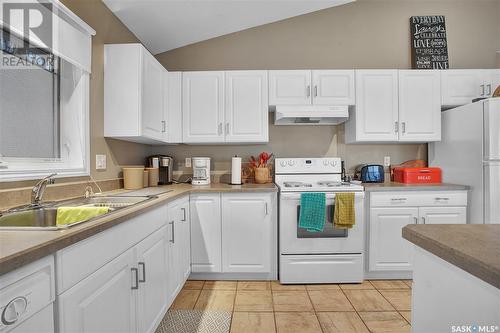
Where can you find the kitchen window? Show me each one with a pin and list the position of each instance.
(44, 101)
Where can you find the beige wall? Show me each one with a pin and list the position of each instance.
(364, 34)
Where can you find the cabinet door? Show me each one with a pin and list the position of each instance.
(389, 251)
(206, 233)
(184, 236)
(246, 106)
(461, 86)
(290, 87)
(174, 271)
(203, 107)
(172, 99)
(333, 87)
(104, 301)
(247, 233)
(376, 115)
(152, 265)
(443, 215)
(419, 105)
(152, 97)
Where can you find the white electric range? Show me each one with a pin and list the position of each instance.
(333, 255)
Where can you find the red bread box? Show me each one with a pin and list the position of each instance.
(417, 175)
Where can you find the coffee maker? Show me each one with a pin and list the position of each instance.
(165, 165)
(201, 171)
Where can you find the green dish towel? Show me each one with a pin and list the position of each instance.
(312, 211)
(69, 215)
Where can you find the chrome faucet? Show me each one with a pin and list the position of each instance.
(39, 188)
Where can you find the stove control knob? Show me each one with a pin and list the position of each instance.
(283, 163)
(325, 162)
(333, 163)
(291, 162)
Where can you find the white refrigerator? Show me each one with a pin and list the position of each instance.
(469, 154)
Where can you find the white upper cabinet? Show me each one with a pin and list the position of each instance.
(333, 87)
(133, 94)
(305, 87)
(203, 107)
(396, 106)
(419, 105)
(172, 107)
(152, 97)
(376, 115)
(246, 111)
(225, 107)
(290, 87)
(461, 86)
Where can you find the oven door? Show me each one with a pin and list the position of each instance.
(295, 240)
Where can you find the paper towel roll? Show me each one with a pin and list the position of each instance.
(236, 170)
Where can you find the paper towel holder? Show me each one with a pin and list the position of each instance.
(232, 169)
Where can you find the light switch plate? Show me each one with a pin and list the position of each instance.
(387, 161)
(100, 162)
(188, 162)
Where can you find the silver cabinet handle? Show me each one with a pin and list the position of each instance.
(183, 214)
(441, 199)
(488, 92)
(416, 219)
(227, 128)
(172, 240)
(219, 129)
(163, 126)
(403, 124)
(315, 91)
(143, 271)
(396, 127)
(423, 220)
(482, 89)
(398, 199)
(308, 91)
(136, 274)
(267, 212)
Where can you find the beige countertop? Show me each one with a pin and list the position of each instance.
(18, 248)
(393, 186)
(475, 248)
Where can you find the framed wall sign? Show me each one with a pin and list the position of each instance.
(429, 49)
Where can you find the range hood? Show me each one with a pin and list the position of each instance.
(310, 114)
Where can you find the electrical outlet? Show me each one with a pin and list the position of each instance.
(100, 162)
(387, 161)
(188, 162)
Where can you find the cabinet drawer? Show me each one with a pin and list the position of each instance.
(342, 268)
(415, 199)
(77, 261)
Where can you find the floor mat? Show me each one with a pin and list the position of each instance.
(195, 321)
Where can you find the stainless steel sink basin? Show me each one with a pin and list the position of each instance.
(45, 217)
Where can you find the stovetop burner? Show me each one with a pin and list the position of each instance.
(297, 184)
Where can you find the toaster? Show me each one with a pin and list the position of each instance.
(372, 173)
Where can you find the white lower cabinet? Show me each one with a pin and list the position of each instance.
(388, 250)
(233, 233)
(131, 290)
(104, 301)
(206, 251)
(390, 212)
(247, 231)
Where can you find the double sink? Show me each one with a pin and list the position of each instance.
(44, 216)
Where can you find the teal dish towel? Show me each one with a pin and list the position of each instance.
(312, 211)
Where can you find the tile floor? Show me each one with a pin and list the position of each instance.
(267, 306)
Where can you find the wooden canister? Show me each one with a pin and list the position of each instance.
(154, 176)
(133, 178)
(261, 175)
